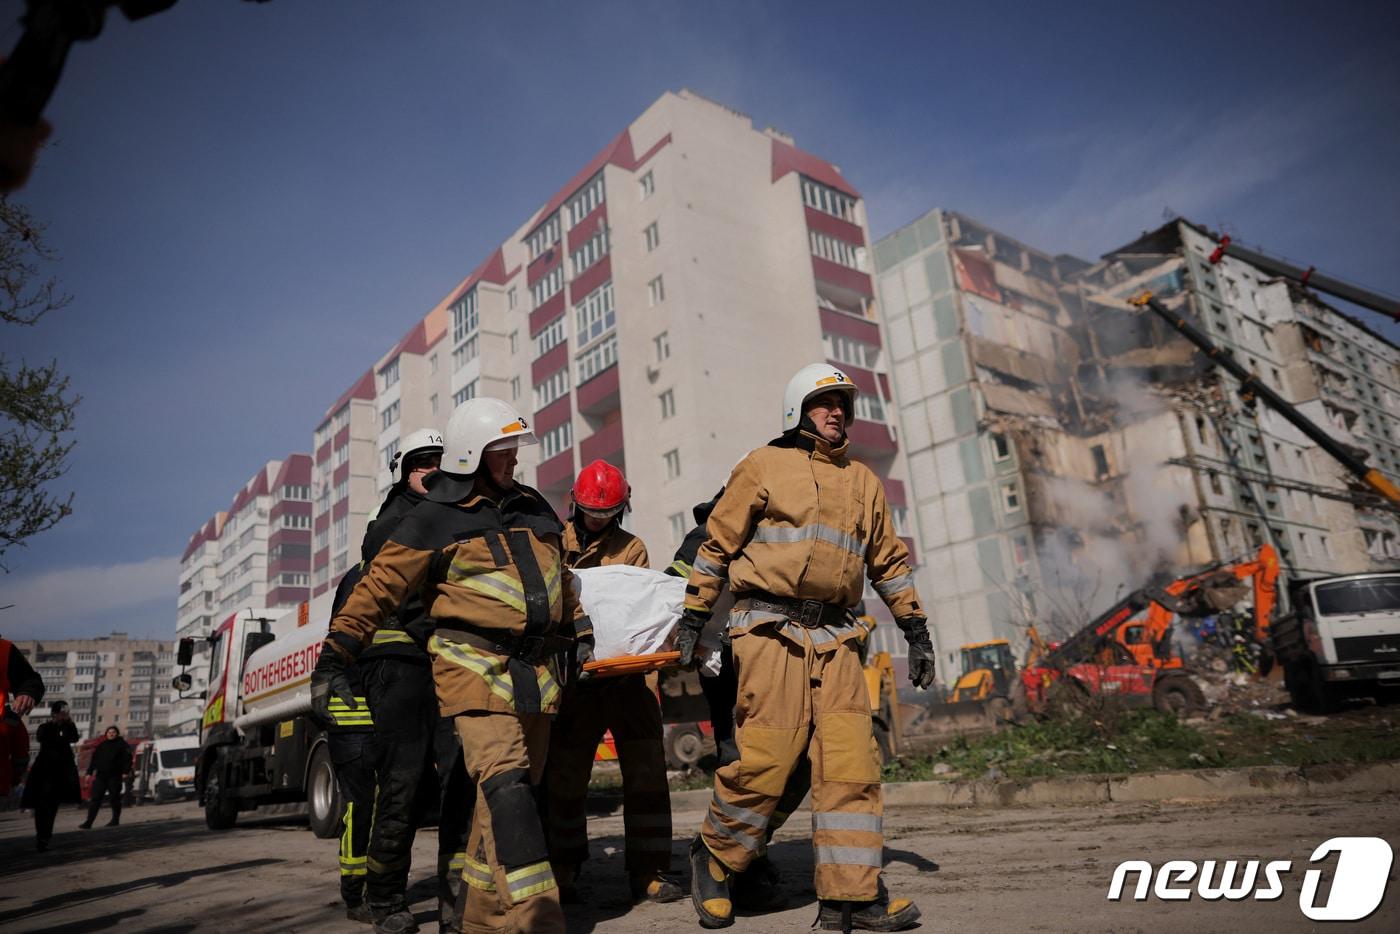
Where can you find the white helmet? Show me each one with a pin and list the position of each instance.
(422, 441)
(475, 426)
(812, 380)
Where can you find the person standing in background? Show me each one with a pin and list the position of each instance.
(53, 778)
(110, 767)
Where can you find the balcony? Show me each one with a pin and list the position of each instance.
(600, 394)
(557, 472)
(846, 279)
(871, 441)
(553, 307)
(604, 444)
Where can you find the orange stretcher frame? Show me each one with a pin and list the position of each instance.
(631, 664)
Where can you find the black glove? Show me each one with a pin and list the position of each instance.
(332, 676)
(915, 629)
(688, 635)
(583, 654)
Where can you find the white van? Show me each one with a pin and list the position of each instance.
(170, 768)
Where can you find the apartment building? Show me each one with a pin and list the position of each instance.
(1064, 446)
(257, 553)
(107, 681)
(649, 314)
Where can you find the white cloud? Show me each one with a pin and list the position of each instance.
(60, 601)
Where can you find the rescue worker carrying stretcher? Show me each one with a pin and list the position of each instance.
(486, 556)
(798, 528)
(626, 705)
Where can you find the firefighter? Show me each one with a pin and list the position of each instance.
(485, 554)
(798, 528)
(626, 705)
(350, 736)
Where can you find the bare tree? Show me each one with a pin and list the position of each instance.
(36, 407)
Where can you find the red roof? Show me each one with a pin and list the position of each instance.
(788, 158)
(208, 533)
(493, 270)
(363, 389)
(296, 469)
(619, 153)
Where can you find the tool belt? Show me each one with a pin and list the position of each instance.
(810, 613)
(532, 650)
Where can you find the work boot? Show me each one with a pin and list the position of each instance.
(758, 887)
(360, 913)
(114, 822)
(882, 914)
(566, 877)
(447, 916)
(709, 887)
(85, 825)
(655, 887)
(396, 920)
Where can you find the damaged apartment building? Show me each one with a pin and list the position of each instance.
(1065, 447)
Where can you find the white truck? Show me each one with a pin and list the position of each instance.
(258, 743)
(1340, 639)
(168, 773)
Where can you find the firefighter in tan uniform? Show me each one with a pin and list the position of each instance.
(486, 556)
(796, 533)
(626, 705)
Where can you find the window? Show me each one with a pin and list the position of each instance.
(838, 251)
(668, 403)
(466, 392)
(546, 288)
(294, 580)
(673, 463)
(514, 388)
(389, 450)
(341, 531)
(652, 236)
(342, 489)
(432, 364)
(656, 292)
(1100, 462)
(554, 334)
(828, 200)
(594, 316)
(293, 521)
(646, 186)
(662, 342)
(464, 317)
(678, 527)
(1215, 486)
(588, 198)
(323, 538)
(387, 418)
(552, 388)
(544, 236)
(511, 299)
(557, 440)
(389, 374)
(602, 355)
(466, 353)
(432, 404)
(849, 350)
(1001, 447)
(869, 408)
(341, 455)
(593, 249)
(1011, 496)
(514, 342)
(341, 418)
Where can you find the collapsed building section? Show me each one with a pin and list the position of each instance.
(1065, 447)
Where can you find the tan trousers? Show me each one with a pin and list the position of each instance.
(794, 700)
(628, 707)
(500, 898)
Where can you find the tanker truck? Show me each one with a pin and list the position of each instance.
(258, 743)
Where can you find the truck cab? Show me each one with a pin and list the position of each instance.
(1340, 638)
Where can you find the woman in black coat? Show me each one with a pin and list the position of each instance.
(53, 778)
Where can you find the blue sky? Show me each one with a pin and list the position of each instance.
(253, 201)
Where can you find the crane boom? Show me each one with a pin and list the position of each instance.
(1309, 277)
(1252, 385)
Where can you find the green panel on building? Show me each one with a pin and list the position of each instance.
(930, 229)
(908, 243)
(999, 612)
(890, 307)
(945, 317)
(954, 364)
(989, 557)
(886, 254)
(936, 265)
(964, 412)
(974, 467)
(979, 503)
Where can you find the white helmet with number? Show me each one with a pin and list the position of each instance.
(422, 441)
(476, 426)
(812, 380)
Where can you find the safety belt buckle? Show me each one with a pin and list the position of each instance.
(530, 649)
(811, 613)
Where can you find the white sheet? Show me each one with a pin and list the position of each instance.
(635, 610)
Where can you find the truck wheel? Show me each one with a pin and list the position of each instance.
(1318, 695)
(684, 747)
(325, 807)
(1178, 696)
(220, 811)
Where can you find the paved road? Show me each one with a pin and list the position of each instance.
(1021, 870)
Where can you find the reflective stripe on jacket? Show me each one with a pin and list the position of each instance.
(613, 545)
(803, 521)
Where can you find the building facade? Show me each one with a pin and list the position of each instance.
(1064, 447)
(108, 681)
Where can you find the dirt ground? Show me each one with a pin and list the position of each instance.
(1044, 869)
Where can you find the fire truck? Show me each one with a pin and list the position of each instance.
(258, 743)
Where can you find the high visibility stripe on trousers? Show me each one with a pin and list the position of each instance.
(350, 864)
(529, 880)
(477, 874)
(836, 836)
(492, 669)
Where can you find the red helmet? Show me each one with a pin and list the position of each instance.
(601, 490)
